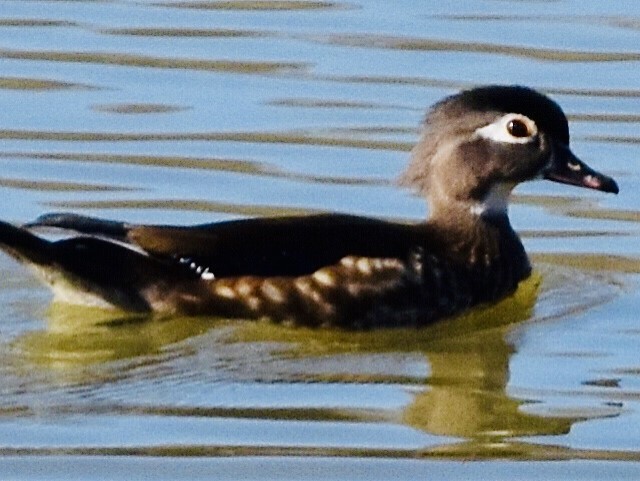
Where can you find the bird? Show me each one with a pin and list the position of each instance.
(333, 269)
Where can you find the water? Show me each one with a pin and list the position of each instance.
(185, 112)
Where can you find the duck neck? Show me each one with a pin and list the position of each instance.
(462, 220)
(479, 236)
(494, 203)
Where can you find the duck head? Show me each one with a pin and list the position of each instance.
(476, 146)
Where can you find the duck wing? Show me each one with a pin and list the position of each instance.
(264, 247)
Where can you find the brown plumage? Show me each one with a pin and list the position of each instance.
(337, 269)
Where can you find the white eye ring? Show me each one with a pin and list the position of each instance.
(499, 131)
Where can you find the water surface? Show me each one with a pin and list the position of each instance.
(187, 112)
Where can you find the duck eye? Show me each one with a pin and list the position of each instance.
(517, 128)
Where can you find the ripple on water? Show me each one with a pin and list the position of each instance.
(138, 108)
(25, 83)
(254, 5)
(188, 32)
(436, 45)
(124, 59)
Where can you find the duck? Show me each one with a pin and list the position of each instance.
(332, 269)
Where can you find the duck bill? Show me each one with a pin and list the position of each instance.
(566, 168)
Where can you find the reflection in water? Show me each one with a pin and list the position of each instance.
(463, 396)
(469, 360)
(467, 395)
(77, 336)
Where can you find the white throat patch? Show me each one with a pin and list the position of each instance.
(496, 201)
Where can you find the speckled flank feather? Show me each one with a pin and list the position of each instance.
(355, 292)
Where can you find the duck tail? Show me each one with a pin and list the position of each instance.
(24, 246)
(88, 270)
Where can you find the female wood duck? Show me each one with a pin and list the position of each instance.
(335, 269)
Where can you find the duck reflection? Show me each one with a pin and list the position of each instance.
(465, 394)
(78, 337)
